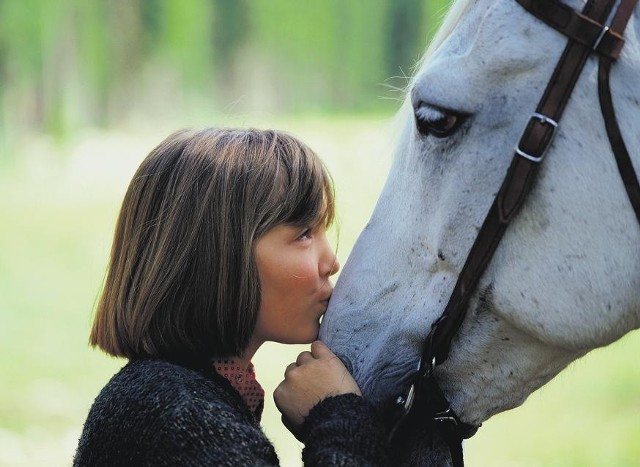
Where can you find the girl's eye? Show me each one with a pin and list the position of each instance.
(305, 235)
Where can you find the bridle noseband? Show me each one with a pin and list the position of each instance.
(597, 29)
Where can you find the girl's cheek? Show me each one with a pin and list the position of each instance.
(309, 272)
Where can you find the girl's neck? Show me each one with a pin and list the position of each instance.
(245, 358)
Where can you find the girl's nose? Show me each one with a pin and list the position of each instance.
(335, 266)
(329, 263)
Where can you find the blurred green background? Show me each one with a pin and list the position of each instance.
(88, 88)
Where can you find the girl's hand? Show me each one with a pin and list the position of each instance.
(313, 377)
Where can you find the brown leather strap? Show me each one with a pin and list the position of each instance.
(432, 411)
(581, 28)
(520, 176)
(625, 10)
(577, 26)
(625, 166)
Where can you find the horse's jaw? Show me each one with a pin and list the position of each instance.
(493, 365)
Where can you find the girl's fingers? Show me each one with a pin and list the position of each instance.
(320, 350)
(304, 357)
(290, 367)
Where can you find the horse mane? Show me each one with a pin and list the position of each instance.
(451, 19)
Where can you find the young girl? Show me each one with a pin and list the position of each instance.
(220, 246)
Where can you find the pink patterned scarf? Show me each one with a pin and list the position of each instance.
(244, 381)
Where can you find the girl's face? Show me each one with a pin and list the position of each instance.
(294, 265)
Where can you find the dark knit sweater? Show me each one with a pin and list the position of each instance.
(155, 413)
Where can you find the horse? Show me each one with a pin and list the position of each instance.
(565, 277)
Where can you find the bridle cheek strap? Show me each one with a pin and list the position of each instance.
(625, 166)
(529, 153)
(587, 33)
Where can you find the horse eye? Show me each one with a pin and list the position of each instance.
(437, 122)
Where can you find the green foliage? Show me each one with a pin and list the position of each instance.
(188, 38)
(68, 64)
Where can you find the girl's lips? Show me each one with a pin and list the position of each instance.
(325, 300)
(324, 297)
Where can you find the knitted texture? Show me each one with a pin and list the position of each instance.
(344, 431)
(156, 413)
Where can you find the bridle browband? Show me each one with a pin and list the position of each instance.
(597, 29)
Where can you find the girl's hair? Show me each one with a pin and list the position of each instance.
(182, 282)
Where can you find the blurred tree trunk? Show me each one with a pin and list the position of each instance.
(405, 37)
(230, 31)
(66, 64)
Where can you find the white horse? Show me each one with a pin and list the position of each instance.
(566, 277)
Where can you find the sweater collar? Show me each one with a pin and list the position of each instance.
(244, 381)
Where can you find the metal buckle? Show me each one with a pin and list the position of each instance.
(447, 416)
(407, 401)
(462, 430)
(604, 31)
(548, 121)
(403, 404)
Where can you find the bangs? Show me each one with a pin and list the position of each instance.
(313, 208)
(305, 193)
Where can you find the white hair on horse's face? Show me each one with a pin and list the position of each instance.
(566, 277)
(449, 22)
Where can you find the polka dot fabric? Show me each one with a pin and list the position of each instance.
(244, 381)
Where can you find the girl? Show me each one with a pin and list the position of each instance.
(220, 246)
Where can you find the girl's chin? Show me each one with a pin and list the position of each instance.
(303, 337)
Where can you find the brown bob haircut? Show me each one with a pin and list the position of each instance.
(182, 282)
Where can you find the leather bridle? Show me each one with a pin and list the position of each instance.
(597, 29)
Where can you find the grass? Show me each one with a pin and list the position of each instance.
(56, 220)
(587, 416)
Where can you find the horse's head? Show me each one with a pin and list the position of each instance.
(566, 276)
